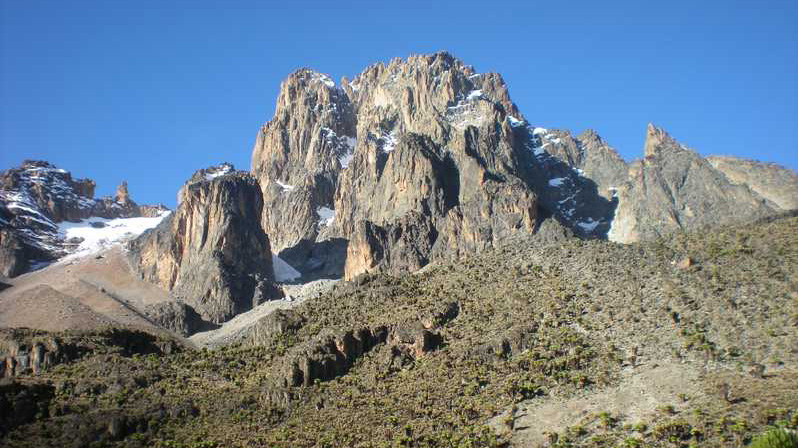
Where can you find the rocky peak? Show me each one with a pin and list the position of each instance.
(211, 253)
(657, 141)
(122, 196)
(424, 158)
(35, 197)
(674, 188)
(778, 185)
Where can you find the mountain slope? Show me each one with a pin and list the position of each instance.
(511, 337)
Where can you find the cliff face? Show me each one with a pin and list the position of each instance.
(411, 161)
(777, 184)
(674, 188)
(423, 158)
(36, 197)
(211, 253)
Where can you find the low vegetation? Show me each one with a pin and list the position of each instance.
(532, 323)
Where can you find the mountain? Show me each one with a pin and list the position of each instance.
(425, 159)
(444, 279)
(37, 203)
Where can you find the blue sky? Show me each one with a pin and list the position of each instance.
(149, 91)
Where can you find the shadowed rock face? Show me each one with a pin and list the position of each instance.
(211, 253)
(411, 161)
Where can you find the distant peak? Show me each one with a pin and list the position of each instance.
(656, 140)
(309, 76)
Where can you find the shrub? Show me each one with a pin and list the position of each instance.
(776, 438)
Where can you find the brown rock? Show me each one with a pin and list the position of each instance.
(211, 253)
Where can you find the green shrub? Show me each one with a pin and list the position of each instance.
(776, 438)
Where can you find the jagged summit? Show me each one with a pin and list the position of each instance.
(423, 158)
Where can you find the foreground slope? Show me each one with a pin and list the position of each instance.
(528, 343)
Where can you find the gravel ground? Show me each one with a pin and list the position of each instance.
(237, 328)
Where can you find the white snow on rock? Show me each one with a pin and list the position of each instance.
(284, 272)
(557, 181)
(325, 80)
(326, 215)
(538, 131)
(474, 94)
(285, 187)
(223, 169)
(389, 141)
(346, 159)
(515, 122)
(589, 225)
(105, 232)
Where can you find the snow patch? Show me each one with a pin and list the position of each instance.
(105, 232)
(346, 159)
(474, 94)
(325, 80)
(557, 181)
(539, 131)
(589, 225)
(514, 122)
(389, 142)
(284, 272)
(285, 187)
(223, 169)
(326, 216)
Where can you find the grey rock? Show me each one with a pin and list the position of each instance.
(211, 253)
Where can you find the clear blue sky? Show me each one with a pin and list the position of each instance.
(150, 91)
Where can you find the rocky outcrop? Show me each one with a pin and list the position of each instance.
(211, 253)
(175, 316)
(673, 188)
(30, 352)
(36, 197)
(329, 356)
(775, 183)
(276, 324)
(412, 161)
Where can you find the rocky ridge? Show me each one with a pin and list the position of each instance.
(424, 158)
(36, 197)
(211, 253)
(411, 161)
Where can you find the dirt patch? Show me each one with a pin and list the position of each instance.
(638, 396)
(81, 293)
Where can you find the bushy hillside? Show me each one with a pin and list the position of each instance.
(534, 343)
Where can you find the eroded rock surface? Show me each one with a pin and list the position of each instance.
(673, 188)
(775, 183)
(211, 253)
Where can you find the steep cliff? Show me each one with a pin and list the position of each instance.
(674, 188)
(211, 253)
(411, 161)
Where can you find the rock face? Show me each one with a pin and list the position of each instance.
(673, 188)
(37, 196)
(777, 184)
(211, 253)
(175, 316)
(411, 161)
